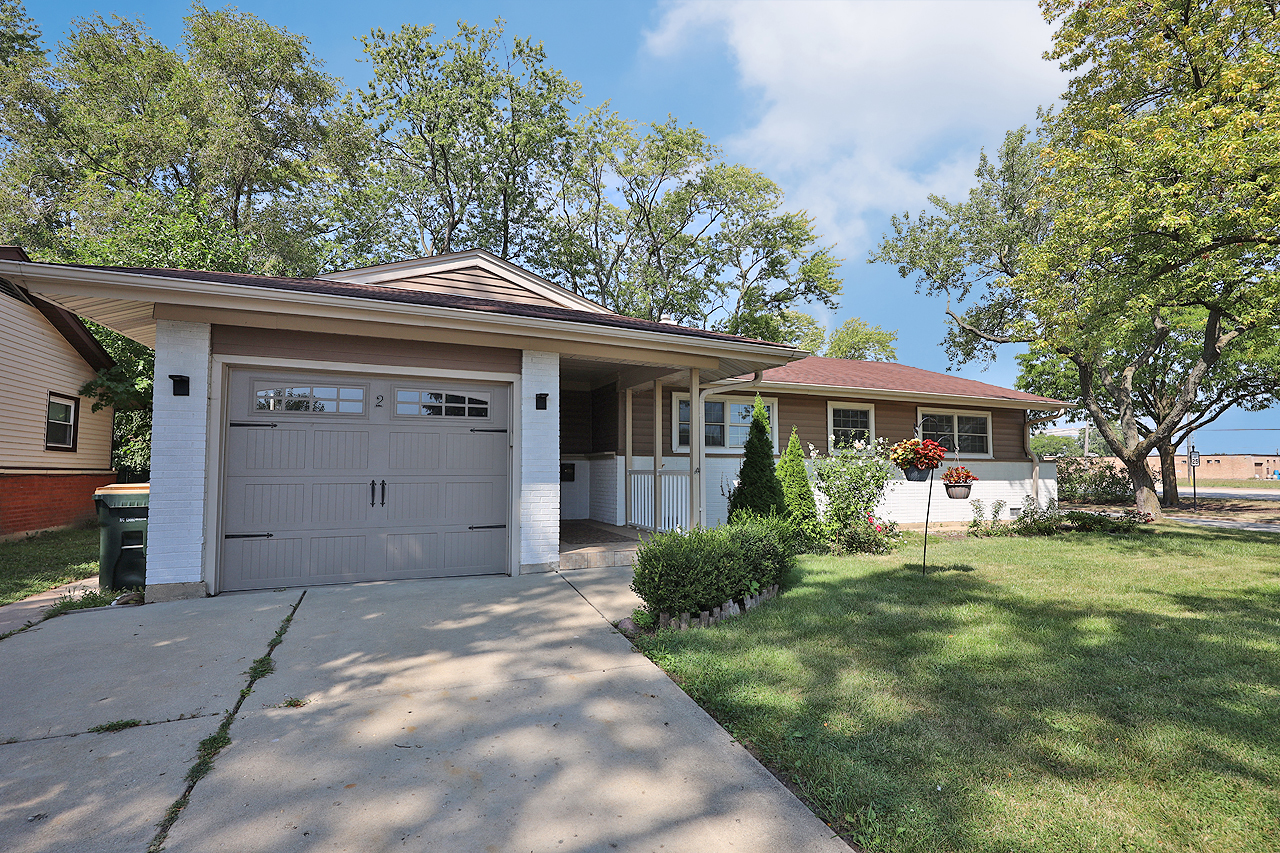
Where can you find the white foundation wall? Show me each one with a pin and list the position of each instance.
(1010, 482)
(179, 446)
(608, 499)
(539, 463)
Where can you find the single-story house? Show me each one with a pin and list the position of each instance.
(54, 449)
(440, 416)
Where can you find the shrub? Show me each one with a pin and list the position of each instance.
(1091, 481)
(980, 526)
(801, 507)
(688, 572)
(758, 488)
(1034, 521)
(853, 481)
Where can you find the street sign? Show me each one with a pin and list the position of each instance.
(1195, 459)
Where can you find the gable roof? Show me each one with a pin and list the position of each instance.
(471, 273)
(67, 324)
(888, 379)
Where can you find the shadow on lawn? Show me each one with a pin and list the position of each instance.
(925, 697)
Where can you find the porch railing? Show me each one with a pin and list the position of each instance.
(675, 499)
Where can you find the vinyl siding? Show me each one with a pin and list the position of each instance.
(575, 421)
(34, 360)
(315, 346)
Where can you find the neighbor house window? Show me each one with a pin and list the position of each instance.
(60, 425)
(315, 399)
(726, 422)
(848, 423)
(966, 433)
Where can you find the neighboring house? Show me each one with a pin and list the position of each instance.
(440, 416)
(54, 450)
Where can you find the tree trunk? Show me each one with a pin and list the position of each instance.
(1144, 488)
(1169, 474)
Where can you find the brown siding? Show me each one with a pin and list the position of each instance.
(1008, 434)
(605, 420)
(808, 415)
(283, 343)
(575, 421)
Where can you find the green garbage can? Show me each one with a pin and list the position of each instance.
(122, 543)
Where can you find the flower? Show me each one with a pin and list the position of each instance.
(917, 453)
(958, 475)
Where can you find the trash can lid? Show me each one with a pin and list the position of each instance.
(124, 489)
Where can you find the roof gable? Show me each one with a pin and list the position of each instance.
(476, 274)
(67, 324)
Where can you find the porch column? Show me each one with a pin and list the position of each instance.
(626, 470)
(657, 454)
(539, 484)
(696, 417)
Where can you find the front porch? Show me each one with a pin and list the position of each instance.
(586, 544)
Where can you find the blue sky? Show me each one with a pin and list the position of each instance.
(859, 110)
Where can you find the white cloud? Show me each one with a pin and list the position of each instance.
(866, 107)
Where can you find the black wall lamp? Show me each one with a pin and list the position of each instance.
(181, 385)
(540, 400)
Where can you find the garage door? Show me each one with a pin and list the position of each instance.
(333, 479)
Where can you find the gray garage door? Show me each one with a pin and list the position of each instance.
(336, 479)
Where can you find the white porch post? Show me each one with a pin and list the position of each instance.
(657, 454)
(626, 470)
(539, 463)
(695, 449)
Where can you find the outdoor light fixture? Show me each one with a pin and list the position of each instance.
(181, 385)
(540, 400)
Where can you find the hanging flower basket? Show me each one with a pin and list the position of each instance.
(958, 491)
(917, 458)
(958, 480)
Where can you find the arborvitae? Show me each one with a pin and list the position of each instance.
(758, 488)
(801, 508)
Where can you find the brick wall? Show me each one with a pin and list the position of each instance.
(540, 463)
(175, 530)
(42, 501)
(608, 500)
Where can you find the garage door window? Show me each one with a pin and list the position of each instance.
(314, 399)
(439, 404)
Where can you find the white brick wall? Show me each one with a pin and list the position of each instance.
(608, 500)
(175, 527)
(540, 463)
(1006, 481)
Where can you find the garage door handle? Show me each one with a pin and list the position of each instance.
(250, 424)
(487, 430)
(487, 527)
(248, 536)
(373, 492)
(384, 493)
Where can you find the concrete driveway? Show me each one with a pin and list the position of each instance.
(480, 714)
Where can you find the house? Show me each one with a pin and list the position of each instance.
(440, 416)
(54, 450)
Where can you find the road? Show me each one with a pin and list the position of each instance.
(1184, 492)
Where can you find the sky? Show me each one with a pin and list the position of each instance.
(858, 109)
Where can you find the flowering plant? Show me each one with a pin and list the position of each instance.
(914, 453)
(958, 475)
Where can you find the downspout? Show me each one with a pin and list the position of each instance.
(702, 461)
(1035, 460)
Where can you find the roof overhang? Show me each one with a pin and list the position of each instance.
(130, 303)
(917, 397)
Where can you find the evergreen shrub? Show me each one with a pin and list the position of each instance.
(758, 488)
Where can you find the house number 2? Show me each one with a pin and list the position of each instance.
(378, 405)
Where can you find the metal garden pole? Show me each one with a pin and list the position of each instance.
(924, 561)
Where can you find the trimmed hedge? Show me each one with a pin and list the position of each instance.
(688, 572)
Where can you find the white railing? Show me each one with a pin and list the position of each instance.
(675, 499)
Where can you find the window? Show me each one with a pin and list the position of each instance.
(726, 422)
(60, 424)
(850, 422)
(966, 433)
(441, 404)
(314, 399)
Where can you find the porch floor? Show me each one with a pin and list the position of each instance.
(586, 544)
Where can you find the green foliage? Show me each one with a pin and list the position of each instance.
(797, 492)
(19, 35)
(1034, 520)
(35, 564)
(688, 572)
(852, 482)
(116, 726)
(758, 489)
(982, 526)
(860, 341)
(1056, 446)
(1090, 481)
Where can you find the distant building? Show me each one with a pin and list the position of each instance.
(1232, 466)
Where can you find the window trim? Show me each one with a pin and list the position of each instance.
(258, 385)
(921, 411)
(832, 405)
(74, 402)
(439, 388)
(680, 396)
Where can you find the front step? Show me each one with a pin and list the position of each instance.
(598, 557)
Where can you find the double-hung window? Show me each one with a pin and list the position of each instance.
(965, 433)
(726, 423)
(61, 422)
(849, 423)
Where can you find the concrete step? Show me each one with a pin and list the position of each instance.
(598, 556)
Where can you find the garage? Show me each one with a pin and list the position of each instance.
(333, 478)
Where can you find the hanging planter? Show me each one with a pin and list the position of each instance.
(916, 474)
(917, 458)
(959, 481)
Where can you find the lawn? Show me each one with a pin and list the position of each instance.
(29, 566)
(1084, 692)
(1207, 483)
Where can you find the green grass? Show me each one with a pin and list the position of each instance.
(1082, 692)
(1206, 483)
(31, 566)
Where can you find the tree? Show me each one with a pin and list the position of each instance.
(19, 35)
(758, 489)
(796, 490)
(1156, 179)
(1056, 445)
(860, 341)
